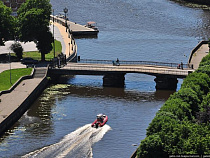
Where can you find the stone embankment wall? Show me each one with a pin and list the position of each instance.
(203, 2)
(16, 114)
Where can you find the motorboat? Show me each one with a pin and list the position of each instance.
(92, 25)
(100, 121)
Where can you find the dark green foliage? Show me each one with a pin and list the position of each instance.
(204, 69)
(152, 147)
(34, 16)
(17, 49)
(162, 121)
(186, 96)
(203, 116)
(199, 82)
(178, 108)
(7, 24)
(182, 125)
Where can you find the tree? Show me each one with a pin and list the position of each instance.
(17, 49)
(34, 16)
(7, 24)
(151, 147)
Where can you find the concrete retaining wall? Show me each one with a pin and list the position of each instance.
(16, 115)
(196, 48)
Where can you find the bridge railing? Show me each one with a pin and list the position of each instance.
(121, 69)
(122, 62)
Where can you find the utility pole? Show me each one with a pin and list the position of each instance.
(53, 34)
(10, 68)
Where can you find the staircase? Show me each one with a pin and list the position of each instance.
(40, 72)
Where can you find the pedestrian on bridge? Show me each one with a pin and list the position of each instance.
(181, 65)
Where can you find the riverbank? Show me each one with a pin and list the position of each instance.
(203, 4)
(181, 124)
(14, 104)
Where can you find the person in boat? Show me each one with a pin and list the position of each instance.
(100, 119)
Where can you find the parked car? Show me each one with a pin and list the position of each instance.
(27, 61)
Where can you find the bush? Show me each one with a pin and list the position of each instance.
(204, 69)
(198, 78)
(151, 147)
(190, 97)
(17, 49)
(162, 121)
(174, 129)
(181, 109)
(203, 116)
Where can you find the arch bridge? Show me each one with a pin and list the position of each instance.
(113, 72)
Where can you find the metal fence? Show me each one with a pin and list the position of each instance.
(122, 62)
(121, 69)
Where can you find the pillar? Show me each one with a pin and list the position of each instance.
(114, 80)
(166, 83)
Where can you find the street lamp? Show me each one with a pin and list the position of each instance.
(65, 10)
(53, 34)
(10, 68)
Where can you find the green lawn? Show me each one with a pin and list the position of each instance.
(36, 55)
(15, 75)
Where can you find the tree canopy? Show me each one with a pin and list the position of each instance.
(34, 17)
(7, 24)
(182, 125)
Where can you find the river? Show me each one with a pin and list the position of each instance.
(58, 123)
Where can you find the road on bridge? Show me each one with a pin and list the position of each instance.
(101, 69)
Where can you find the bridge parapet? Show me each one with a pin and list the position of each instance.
(123, 62)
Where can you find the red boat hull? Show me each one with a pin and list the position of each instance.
(97, 123)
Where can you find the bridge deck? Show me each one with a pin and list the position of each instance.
(101, 69)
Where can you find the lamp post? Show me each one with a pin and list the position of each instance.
(65, 10)
(10, 68)
(53, 34)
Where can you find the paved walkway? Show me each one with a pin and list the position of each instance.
(11, 101)
(198, 55)
(63, 36)
(27, 47)
(14, 65)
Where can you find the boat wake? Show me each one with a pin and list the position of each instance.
(76, 144)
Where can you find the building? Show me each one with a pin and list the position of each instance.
(14, 4)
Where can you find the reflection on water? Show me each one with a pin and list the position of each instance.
(146, 30)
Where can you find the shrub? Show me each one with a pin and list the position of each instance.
(178, 108)
(161, 121)
(204, 69)
(17, 49)
(151, 147)
(198, 78)
(190, 97)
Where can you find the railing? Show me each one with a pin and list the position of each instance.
(121, 69)
(58, 62)
(62, 21)
(196, 48)
(122, 62)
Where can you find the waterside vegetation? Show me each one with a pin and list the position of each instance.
(182, 125)
(204, 4)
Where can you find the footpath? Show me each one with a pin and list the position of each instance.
(14, 104)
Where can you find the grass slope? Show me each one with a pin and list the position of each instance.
(15, 75)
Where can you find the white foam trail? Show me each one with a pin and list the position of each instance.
(76, 144)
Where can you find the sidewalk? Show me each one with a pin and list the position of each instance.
(14, 65)
(63, 36)
(22, 96)
(11, 101)
(199, 54)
